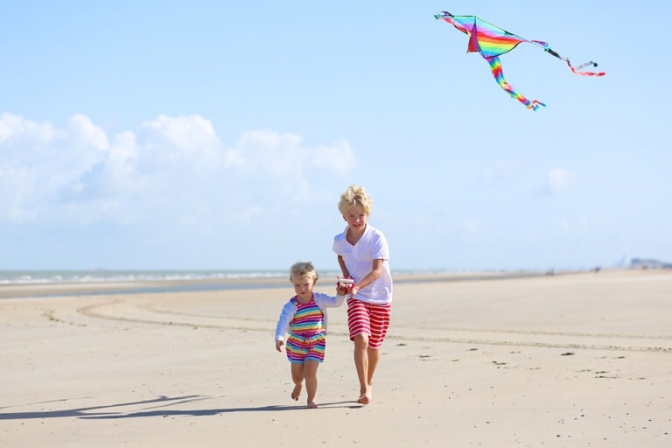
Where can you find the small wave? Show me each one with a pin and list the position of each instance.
(48, 277)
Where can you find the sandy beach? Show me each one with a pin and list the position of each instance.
(572, 360)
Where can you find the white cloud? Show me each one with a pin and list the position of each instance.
(277, 154)
(556, 181)
(14, 128)
(501, 172)
(248, 213)
(39, 163)
(473, 225)
(338, 156)
(86, 133)
(171, 168)
(284, 154)
(185, 133)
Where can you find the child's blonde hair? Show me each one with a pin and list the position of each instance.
(355, 195)
(302, 269)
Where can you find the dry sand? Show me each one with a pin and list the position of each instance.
(559, 361)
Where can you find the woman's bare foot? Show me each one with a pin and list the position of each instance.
(296, 393)
(312, 405)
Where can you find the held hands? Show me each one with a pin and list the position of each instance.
(341, 290)
(350, 289)
(278, 344)
(346, 286)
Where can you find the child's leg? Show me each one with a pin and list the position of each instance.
(297, 378)
(373, 348)
(363, 366)
(379, 321)
(359, 324)
(310, 374)
(373, 355)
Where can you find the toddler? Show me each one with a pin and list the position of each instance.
(304, 317)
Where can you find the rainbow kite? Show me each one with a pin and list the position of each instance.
(492, 42)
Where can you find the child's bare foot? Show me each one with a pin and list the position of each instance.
(365, 397)
(296, 393)
(312, 405)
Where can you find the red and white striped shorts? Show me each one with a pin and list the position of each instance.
(367, 318)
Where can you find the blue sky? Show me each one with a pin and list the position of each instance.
(219, 135)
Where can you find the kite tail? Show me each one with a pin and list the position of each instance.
(496, 68)
(575, 70)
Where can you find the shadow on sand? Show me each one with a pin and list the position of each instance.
(155, 409)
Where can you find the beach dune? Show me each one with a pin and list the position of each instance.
(581, 359)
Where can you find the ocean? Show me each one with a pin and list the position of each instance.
(103, 275)
(16, 277)
(145, 281)
(74, 282)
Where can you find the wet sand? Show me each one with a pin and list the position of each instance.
(567, 360)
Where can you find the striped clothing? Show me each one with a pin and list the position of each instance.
(369, 319)
(306, 333)
(308, 319)
(306, 324)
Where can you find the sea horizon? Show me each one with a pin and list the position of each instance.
(59, 276)
(58, 283)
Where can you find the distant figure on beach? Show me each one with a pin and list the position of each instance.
(304, 317)
(363, 255)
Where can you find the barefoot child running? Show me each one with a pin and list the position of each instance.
(363, 255)
(304, 317)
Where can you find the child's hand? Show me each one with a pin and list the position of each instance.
(345, 284)
(278, 344)
(341, 290)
